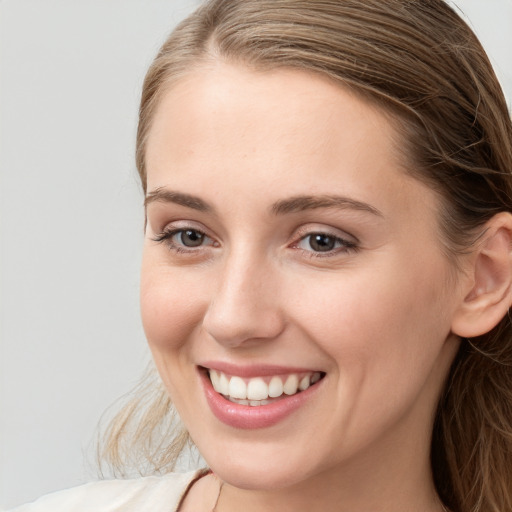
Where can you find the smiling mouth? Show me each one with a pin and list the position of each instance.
(259, 391)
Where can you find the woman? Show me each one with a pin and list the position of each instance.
(327, 267)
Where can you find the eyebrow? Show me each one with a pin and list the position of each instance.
(302, 203)
(168, 196)
(282, 207)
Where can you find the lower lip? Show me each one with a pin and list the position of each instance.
(247, 417)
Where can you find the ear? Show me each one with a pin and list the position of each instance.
(488, 293)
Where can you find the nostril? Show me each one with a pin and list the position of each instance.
(242, 327)
(244, 306)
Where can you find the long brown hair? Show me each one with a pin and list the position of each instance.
(419, 61)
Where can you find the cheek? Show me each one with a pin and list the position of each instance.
(384, 334)
(171, 306)
(384, 320)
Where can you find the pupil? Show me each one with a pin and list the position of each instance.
(192, 238)
(322, 243)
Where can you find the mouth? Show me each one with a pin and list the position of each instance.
(252, 398)
(258, 391)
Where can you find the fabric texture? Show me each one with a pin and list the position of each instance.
(148, 494)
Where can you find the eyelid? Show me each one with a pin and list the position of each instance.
(171, 229)
(346, 243)
(178, 224)
(311, 229)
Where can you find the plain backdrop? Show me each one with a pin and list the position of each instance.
(71, 220)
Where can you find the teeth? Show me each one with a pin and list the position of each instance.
(237, 401)
(253, 403)
(237, 388)
(304, 383)
(275, 387)
(256, 391)
(291, 385)
(214, 377)
(223, 384)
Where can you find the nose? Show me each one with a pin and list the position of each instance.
(244, 308)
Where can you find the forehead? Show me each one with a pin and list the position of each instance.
(230, 126)
(220, 89)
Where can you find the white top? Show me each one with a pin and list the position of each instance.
(149, 494)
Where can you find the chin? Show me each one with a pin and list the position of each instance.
(257, 476)
(258, 465)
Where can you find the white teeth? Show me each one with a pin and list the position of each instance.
(291, 385)
(252, 403)
(304, 383)
(237, 401)
(237, 388)
(256, 391)
(214, 377)
(275, 387)
(223, 385)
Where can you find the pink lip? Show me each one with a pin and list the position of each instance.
(247, 417)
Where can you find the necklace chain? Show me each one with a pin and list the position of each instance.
(214, 509)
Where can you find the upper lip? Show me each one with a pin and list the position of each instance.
(254, 370)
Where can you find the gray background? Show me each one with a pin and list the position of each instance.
(71, 220)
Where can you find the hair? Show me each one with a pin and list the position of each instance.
(420, 62)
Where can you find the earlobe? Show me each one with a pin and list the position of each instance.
(490, 280)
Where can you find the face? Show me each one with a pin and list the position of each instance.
(294, 292)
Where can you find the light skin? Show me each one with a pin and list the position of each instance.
(253, 164)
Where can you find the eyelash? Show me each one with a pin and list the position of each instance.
(344, 245)
(167, 236)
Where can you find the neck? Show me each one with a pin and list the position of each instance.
(336, 496)
(372, 481)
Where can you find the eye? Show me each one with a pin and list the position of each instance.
(321, 242)
(325, 243)
(189, 237)
(183, 239)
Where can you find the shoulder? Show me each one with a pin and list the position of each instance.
(141, 495)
